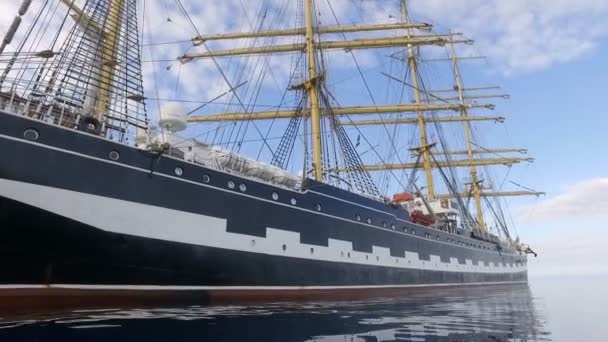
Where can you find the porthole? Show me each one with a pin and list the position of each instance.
(275, 196)
(114, 155)
(284, 247)
(252, 243)
(369, 220)
(293, 201)
(231, 185)
(342, 254)
(318, 207)
(366, 257)
(312, 250)
(377, 258)
(358, 217)
(243, 187)
(31, 134)
(348, 254)
(179, 171)
(206, 179)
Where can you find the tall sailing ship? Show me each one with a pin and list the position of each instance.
(105, 188)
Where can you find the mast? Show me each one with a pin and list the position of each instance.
(313, 93)
(475, 181)
(337, 111)
(311, 85)
(108, 58)
(425, 147)
(93, 81)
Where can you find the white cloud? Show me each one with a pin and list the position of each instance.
(522, 35)
(567, 230)
(582, 200)
(580, 250)
(518, 35)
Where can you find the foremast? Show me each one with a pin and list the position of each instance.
(108, 58)
(88, 79)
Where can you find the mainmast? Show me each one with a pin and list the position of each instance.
(311, 85)
(425, 147)
(313, 43)
(476, 187)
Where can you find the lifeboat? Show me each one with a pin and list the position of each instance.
(420, 218)
(403, 197)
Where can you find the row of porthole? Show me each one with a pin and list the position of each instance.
(427, 235)
(32, 134)
(275, 196)
(114, 155)
(232, 185)
(312, 251)
(384, 224)
(293, 201)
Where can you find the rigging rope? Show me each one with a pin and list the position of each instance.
(220, 70)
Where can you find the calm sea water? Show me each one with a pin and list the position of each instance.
(549, 309)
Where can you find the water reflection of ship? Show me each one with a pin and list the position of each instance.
(502, 313)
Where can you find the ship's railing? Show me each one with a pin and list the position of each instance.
(63, 111)
(38, 107)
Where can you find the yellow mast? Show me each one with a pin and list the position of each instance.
(313, 93)
(476, 187)
(401, 121)
(108, 57)
(485, 151)
(496, 194)
(338, 111)
(80, 17)
(302, 31)
(371, 43)
(453, 163)
(424, 147)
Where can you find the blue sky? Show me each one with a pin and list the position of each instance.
(559, 113)
(550, 56)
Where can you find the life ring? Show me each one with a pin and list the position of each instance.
(89, 124)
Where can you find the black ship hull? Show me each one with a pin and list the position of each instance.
(77, 211)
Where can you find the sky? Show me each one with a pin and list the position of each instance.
(549, 55)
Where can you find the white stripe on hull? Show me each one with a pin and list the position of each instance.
(136, 219)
